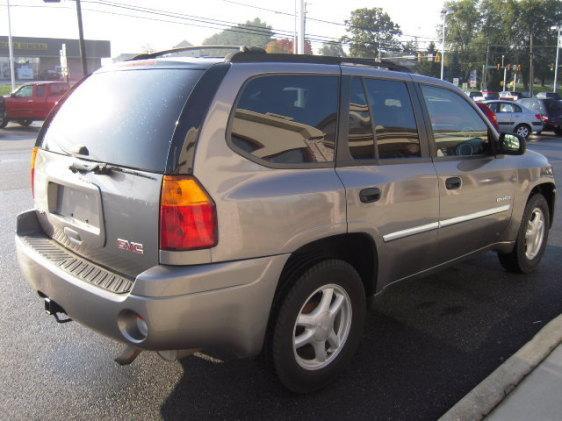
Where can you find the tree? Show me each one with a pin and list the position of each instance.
(255, 33)
(285, 46)
(371, 31)
(332, 49)
(427, 64)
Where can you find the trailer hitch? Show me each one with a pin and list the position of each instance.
(53, 309)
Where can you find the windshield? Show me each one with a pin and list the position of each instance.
(125, 118)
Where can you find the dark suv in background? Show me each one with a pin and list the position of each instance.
(252, 203)
(549, 109)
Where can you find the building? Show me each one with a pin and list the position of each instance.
(39, 58)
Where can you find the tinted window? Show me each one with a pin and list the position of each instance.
(553, 106)
(25, 91)
(395, 125)
(505, 107)
(457, 127)
(287, 119)
(40, 90)
(360, 134)
(123, 117)
(516, 108)
(494, 106)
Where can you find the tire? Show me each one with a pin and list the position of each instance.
(523, 130)
(25, 123)
(3, 123)
(300, 369)
(558, 132)
(519, 260)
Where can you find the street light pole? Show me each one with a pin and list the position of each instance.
(11, 48)
(444, 14)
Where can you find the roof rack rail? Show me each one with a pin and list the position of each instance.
(244, 54)
(260, 55)
(173, 51)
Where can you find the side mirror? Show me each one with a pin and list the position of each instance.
(511, 144)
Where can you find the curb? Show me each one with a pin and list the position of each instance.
(481, 400)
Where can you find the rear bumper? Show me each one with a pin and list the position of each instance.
(220, 306)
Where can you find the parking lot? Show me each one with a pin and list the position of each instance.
(427, 342)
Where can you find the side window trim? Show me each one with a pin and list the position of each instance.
(429, 129)
(276, 165)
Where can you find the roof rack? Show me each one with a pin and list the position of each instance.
(175, 51)
(244, 54)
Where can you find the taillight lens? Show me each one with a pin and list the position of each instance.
(188, 218)
(33, 159)
(543, 117)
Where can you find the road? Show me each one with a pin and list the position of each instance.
(427, 343)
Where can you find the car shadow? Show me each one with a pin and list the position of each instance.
(427, 343)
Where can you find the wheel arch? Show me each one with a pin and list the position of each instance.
(548, 190)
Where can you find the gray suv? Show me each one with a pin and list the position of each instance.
(251, 204)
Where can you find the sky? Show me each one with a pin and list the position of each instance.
(134, 34)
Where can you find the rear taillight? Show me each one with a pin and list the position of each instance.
(33, 159)
(543, 117)
(188, 218)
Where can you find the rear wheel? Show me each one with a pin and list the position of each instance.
(318, 326)
(523, 130)
(531, 239)
(3, 123)
(558, 132)
(25, 123)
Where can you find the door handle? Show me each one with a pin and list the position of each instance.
(370, 195)
(453, 183)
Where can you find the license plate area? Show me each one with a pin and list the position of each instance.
(75, 211)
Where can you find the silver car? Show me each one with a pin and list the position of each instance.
(515, 118)
(253, 203)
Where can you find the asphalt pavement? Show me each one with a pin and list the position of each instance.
(428, 342)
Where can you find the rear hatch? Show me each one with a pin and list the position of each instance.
(99, 169)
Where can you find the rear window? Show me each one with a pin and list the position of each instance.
(124, 118)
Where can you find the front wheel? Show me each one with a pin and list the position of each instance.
(25, 123)
(319, 326)
(531, 239)
(523, 130)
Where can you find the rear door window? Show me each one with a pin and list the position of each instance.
(360, 128)
(287, 119)
(396, 133)
(124, 117)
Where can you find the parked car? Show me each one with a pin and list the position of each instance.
(549, 95)
(490, 95)
(550, 111)
(33, 101)
(515, 118)
(476, 95)
(252, 204)
(489, 113)
(510, 95)
(3, 118)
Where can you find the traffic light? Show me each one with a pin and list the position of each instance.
(438, 58)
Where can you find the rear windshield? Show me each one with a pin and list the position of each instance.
(553, 106)
(123, 117)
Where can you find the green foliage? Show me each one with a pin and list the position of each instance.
(255, 33)
(501, 27)
(332, 49)
(370, 31)
(5, 89)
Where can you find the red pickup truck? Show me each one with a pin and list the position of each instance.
(32, 101)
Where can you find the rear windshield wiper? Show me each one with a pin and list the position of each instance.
(102, 168)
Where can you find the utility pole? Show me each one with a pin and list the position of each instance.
(558, 27)
(81, 39)
(444, 14)
(485, 69)
(302, 22)
(531, 72)
(295, 36)
(504, 73)
(11, 48)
